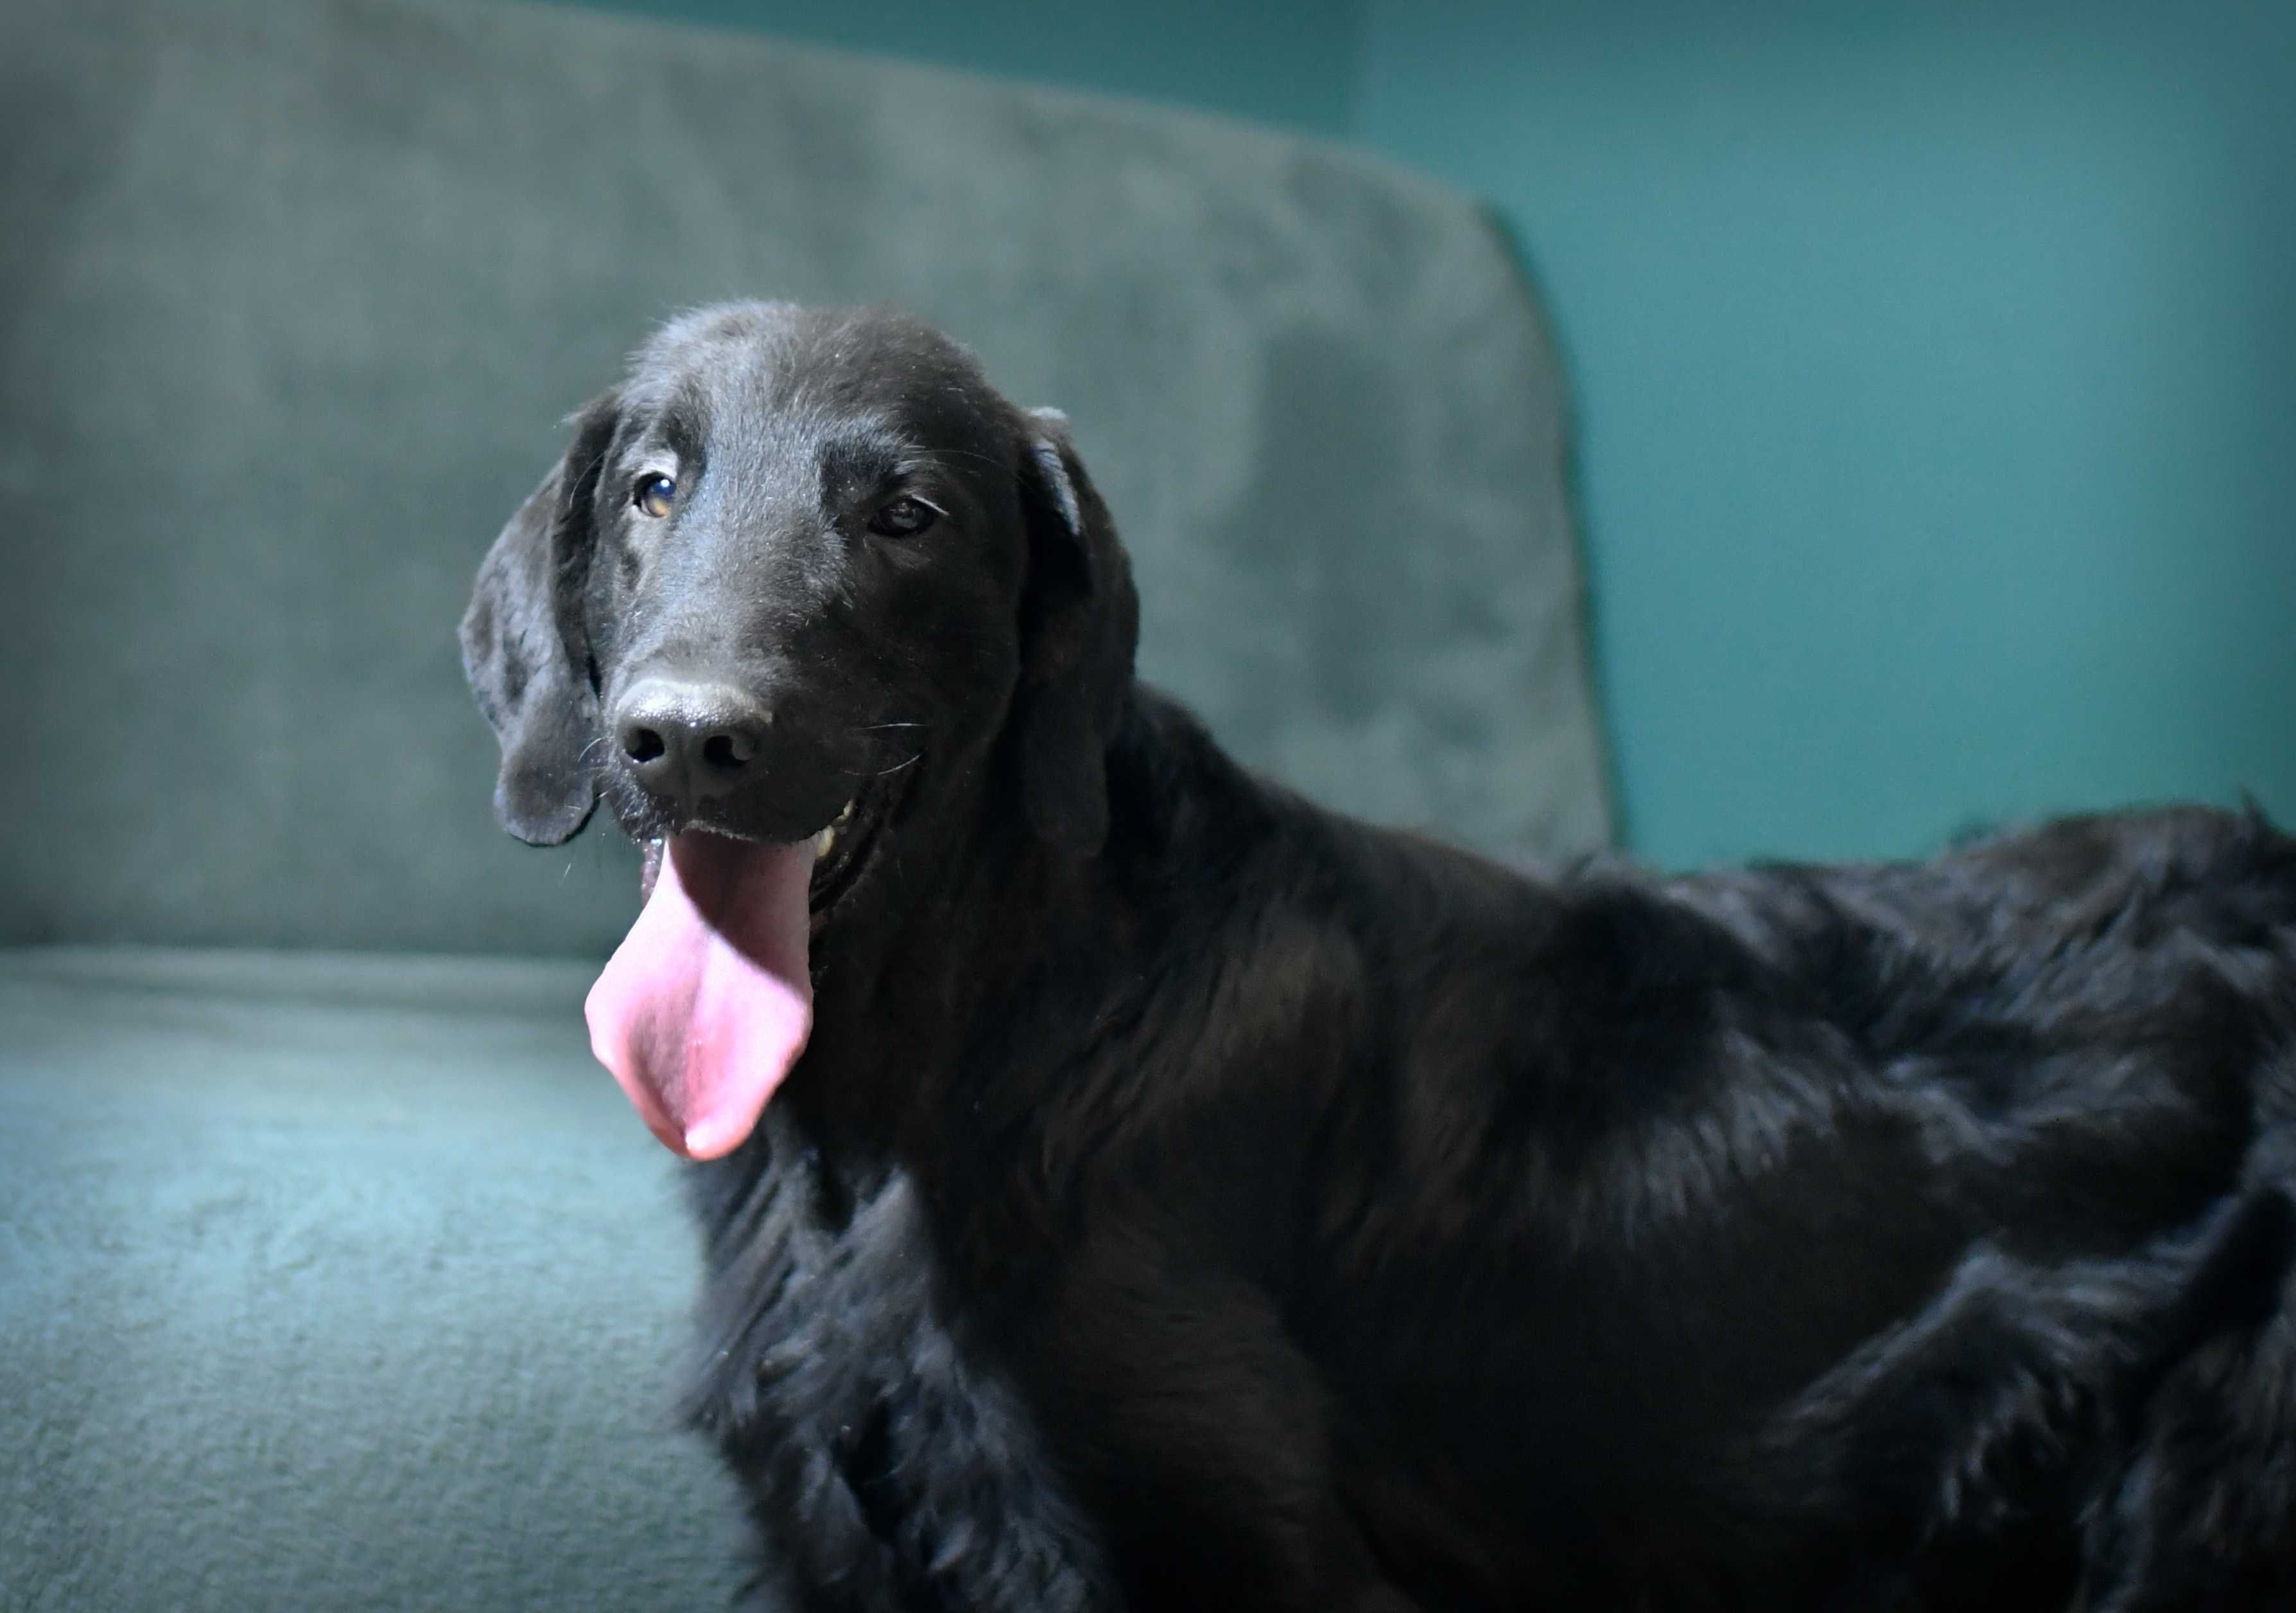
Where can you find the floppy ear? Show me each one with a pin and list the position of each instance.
(525, 650)
(1079, 624)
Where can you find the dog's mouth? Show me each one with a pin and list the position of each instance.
(708, 1004)
(841, 851)
(844, 852)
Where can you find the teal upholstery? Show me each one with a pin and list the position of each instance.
(335, 1282)
(311, 286)
(331, 1273)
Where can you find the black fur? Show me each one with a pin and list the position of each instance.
(1192, 1199)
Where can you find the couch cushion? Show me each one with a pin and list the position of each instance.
(296, 292)
(335, 1282)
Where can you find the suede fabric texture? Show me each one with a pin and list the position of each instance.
(300, 293)
(335, 1282)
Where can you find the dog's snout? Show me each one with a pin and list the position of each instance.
(687, 741)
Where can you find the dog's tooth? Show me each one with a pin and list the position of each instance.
(823, 842)
(844, 817)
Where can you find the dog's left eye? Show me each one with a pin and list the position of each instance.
(902, 518)
(655, 494)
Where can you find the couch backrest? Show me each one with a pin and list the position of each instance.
(295, 293)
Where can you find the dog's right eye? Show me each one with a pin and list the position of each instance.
(656, 494)
(902, 518)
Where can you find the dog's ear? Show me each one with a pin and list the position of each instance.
(1079, 624)
(526, 652)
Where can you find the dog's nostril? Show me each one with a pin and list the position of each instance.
(728, 749)
(642, 744)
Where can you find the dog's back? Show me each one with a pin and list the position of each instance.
(1805, 1233)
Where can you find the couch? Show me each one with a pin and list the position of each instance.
(332, 1274)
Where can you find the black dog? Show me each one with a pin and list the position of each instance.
(1177, 1196)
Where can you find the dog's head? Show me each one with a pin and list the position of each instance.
(799, 570)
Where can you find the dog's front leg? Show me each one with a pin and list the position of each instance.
(1202, 1434)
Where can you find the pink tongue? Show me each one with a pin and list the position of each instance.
(708, 1002)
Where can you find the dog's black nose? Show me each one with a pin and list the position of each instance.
(687, 741)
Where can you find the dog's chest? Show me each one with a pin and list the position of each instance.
(874, 1439)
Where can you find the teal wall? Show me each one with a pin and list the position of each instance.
(1936, 367)
(1935, 364)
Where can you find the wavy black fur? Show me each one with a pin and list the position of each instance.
(1195, 1199)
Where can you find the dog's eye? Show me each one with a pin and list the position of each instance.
(656, 494)
(903, 517)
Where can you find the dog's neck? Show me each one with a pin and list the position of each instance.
(916, 995)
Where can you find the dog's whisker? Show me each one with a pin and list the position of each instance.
(932, 455)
